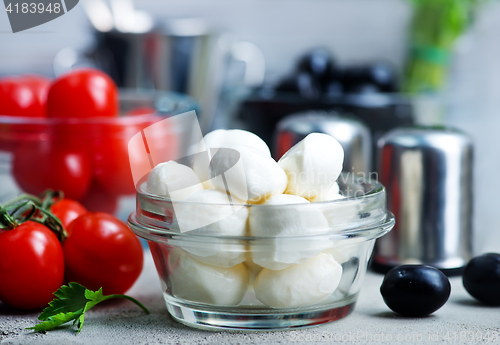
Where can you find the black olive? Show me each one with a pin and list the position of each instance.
(334, 89)
(377, 77)
(354, 76)
(318, 63)
(363, 89)
(308, 86)
(415, 290)
(303, 83)
(384, 76)
(482, 278)
(288, 84)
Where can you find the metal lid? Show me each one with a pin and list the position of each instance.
(352, 134)
(427, 172)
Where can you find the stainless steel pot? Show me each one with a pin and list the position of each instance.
(180, 55)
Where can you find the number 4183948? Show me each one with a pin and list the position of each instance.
(471, 336)
(33, 8)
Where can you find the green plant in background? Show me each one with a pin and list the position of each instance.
(436, 26)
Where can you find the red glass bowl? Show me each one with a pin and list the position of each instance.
(85, 157)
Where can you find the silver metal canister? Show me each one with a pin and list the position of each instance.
(183, 55)
(427, 172)
(352, 134)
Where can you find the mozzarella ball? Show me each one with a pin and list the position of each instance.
(173, 180)
(299, 285)
(210, 144)
(277, 218)
(247, 173)
(312, 165)
(341, 213)
(198, 282)
(331, 194)
(344, 250)
(209, 212)
(253, 269)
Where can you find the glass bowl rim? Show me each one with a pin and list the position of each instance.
(372, 231)
(378, 189)
(378, 225)
(114, 120)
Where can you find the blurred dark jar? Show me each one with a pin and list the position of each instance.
(368, 91)
(265, 107)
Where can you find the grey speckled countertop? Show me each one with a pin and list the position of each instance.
(121, 322)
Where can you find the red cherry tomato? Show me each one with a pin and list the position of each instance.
(60, 166)
(159, 252)
(31, 266)
(67, 210)
(83, 93)
(102, 252)
(112, 162)
(140, 111)
(98, 201)
(23, 96)
(40, 86)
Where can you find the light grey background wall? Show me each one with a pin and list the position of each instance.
(356, 30)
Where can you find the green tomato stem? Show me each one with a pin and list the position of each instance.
(50, 197)
(24, 197)
(11, 217)
(51, 222)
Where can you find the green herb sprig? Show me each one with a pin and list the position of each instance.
(71, 304)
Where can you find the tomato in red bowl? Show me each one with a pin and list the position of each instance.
(85, 157)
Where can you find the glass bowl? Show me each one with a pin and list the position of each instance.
(308, 275)
(85, 157)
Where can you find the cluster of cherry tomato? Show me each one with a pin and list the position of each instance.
(38, 255)
(88, 160)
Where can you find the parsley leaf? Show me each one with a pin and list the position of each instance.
(71, 303)
(56, 320)
(69, 299)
